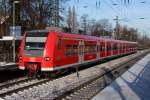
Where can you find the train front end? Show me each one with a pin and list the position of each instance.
(36, 51)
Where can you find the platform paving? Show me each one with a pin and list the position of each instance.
(134, 84)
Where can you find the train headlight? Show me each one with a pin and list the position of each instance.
(20, 58)
(47, 58)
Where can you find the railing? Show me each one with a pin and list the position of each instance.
(8, 57)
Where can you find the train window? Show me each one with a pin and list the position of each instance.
(68, 50)
(120, 46)
(94, 48)
(124, 46)
(75, 49)
(114, 46)
(37, 34)
(108, 47)
(103, 47)
(90, 48)
(86, 49)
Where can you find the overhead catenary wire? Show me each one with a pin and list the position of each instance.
(118, 10)
(121, 9)
(118, 13)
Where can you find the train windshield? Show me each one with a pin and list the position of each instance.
(35, 40)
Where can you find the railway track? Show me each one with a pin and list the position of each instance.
(19, 85)
(11, 82)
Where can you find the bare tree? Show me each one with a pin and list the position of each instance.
(36, 13)
(41, 13)
(129, 34)
(102, 28)
(4, 16)
(69, 18)
(72, 20)
(143, 41)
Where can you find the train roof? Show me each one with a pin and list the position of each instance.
(87, 37)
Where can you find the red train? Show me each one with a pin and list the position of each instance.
(51, 51)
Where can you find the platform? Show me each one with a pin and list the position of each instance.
(7, 66)
(134, 84)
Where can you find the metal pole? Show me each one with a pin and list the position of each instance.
(117, 35)
(117, 28)
(77, 71)
(13, 42)
(14, 49)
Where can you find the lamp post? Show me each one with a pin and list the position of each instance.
(13, 33)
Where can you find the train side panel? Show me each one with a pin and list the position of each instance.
(66, 51)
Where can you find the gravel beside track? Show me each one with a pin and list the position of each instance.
(52, 89)
(21, 85)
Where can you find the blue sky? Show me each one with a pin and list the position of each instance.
(129, 14)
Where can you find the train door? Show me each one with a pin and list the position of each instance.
(98, 50)
(81, 52)
(112, 47)
(105, 48)
(118, 48)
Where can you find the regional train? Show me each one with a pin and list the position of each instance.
(47, 51)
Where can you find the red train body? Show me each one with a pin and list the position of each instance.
(51, 51)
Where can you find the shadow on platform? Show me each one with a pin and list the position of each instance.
(141, 84)
(134, 84)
